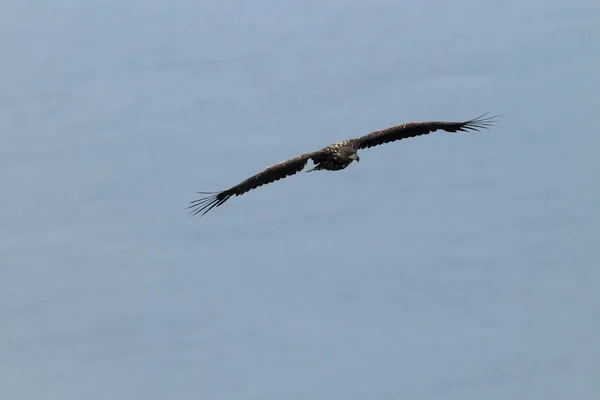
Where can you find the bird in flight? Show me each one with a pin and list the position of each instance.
(335, 157)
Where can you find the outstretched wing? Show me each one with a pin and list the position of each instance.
(267, 175)
(413, 129)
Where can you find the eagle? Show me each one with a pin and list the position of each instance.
(335, 157)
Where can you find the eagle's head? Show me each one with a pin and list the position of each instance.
(349, 153)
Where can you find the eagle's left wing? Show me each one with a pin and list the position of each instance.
(268, 175)
(412, 129)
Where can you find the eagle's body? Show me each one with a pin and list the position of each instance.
(337, 156)
(334, 157)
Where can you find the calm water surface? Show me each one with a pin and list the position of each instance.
(443, 267)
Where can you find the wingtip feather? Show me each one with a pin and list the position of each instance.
(205, 204)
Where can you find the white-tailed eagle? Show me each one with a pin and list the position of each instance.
(335, 157)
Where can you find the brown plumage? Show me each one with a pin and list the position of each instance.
(334, 157)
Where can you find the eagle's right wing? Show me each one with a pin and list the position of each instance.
(267, 175)
(412, 129)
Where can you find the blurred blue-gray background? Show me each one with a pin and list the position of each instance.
(446, 266)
